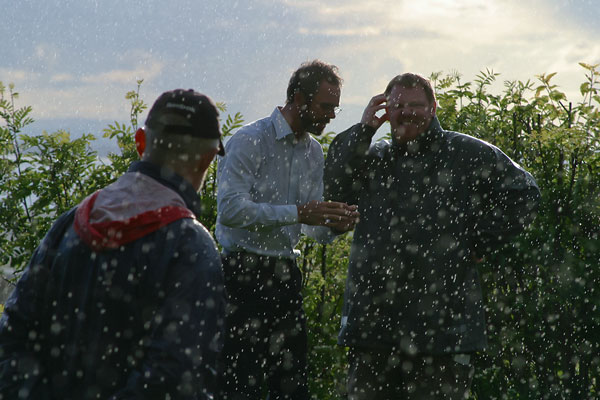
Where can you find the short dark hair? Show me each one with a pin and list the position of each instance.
(308, 77)
(410, 80)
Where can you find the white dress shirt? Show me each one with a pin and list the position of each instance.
(265, 174)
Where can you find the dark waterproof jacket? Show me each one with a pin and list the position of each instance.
(123, 299)
(428, 211)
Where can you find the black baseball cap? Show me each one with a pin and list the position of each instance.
(200, 115)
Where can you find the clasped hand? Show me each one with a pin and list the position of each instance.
(340, 217)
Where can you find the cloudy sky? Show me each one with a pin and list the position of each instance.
(74, 60)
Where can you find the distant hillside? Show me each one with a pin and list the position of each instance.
(76, 127)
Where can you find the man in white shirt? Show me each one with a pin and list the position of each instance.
(270, 191)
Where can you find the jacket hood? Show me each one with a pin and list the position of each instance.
(128, 209)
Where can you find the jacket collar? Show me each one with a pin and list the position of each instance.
(172, 180)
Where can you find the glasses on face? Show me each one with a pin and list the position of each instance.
(329, 108)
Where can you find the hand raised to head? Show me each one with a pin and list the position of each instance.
(370, 117)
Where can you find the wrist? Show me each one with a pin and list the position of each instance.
(300, 213)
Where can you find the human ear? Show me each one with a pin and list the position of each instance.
(140, 141)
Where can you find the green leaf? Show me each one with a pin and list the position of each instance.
(539, 90)
(589, 67)
(549, 76)
(584, 88)
(556, 95)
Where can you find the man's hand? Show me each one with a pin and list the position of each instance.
(340, 217)
(369, 118)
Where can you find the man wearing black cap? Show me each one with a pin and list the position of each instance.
(124, 296)
(270, 191)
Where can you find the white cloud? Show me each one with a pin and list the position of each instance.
(19, 77)
(518, 39)
(357, 31)
(93, 96)
(125, 76)
(93, 102)
(370, 40)
(334, 8)
(62, 78)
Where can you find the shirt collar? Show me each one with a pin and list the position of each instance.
(172, 180)
(282, 128)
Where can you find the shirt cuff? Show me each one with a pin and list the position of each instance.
(289, 214)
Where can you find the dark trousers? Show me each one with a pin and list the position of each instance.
(265, 343)
(389, 375)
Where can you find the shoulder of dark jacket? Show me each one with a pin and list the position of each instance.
(173, 181)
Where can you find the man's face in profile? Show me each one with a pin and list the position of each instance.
(409, 112)
(317, 114)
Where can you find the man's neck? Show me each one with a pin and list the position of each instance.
(290, 114)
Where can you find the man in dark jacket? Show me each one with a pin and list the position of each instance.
(123, 299)
(432, 204)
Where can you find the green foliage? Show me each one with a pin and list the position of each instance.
(41, 177)
(541, 291)
(324, 274)
(125, 133)
(325, 140)
(542, 308)
(208, 192)
(44, 175)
